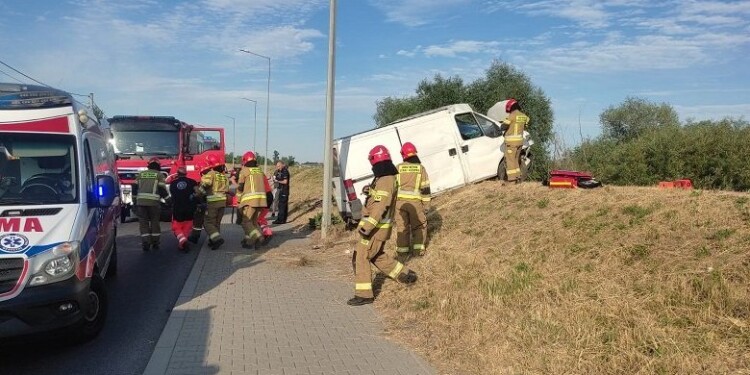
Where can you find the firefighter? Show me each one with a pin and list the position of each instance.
(375, 230)
(516, 124)
(214, 186)
(412, 203)
(199, 215)
(182, 191)
(252, 192)
(151, 188)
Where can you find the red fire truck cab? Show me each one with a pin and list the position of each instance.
(136, 139)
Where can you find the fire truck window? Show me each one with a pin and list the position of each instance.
(468, 126)
(204, 140)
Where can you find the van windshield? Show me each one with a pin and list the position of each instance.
(37, 169)
(147, 142)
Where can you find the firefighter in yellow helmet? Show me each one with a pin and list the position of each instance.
(516, 124)
(375, 230)
(214, 185)
(151, 188)
(412, 203)
(252, 199)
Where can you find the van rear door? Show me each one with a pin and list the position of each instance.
(436, 143)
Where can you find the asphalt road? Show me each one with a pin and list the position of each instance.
(140, 299)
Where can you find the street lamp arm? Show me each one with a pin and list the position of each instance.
(253, 53)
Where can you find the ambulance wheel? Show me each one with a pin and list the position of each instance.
(502, 171)
(95, 313)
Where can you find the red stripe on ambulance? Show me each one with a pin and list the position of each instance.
(51, 125)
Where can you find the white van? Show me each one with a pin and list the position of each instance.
(58, 214)
(456, 145)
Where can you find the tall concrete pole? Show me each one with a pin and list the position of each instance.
(327, 150)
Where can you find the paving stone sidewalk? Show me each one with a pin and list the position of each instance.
(241, 312)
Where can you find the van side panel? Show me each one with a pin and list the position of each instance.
(436, 140)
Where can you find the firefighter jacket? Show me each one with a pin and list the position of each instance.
(151, 188)
(516, 123)
(413, 183)
(182, 191)
(380, 206)
(252, 189)
(214, 186)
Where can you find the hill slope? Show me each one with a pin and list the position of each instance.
(524, 279)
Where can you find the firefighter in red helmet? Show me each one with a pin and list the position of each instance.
(375, 230)
(151, 188)
(200, 206)
(516, 124)
(252, 192)
(213, 186)
(412, 203)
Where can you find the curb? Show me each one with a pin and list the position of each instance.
(159, 361)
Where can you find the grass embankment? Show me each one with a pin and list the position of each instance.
(528, 280)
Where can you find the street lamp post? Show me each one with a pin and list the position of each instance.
(255, 126)
(328, 144)
(268, 105)
(234, 137)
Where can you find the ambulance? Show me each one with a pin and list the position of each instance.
(58, 214)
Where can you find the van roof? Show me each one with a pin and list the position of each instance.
(22, 96)
(453, 107)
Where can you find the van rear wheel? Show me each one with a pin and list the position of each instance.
(502, 171)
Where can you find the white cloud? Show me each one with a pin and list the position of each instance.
(462, 47)
(413, 13)
(713, 112)
(406, 53)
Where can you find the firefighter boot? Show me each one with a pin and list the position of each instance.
(215, 244)
(146, 246)
(359, 301)
(408, 278)
(194, 236)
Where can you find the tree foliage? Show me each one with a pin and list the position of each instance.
(634, 117)
(501, 81)
(713, 154)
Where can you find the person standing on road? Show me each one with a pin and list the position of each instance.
(151, 188)
(275, 203)
(412, 203)
(375, 229)
(182, 191)
(252, 193)
(516, 124)
(214, 185)
(199, 216)
(282, 177)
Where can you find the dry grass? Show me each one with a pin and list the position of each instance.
(528, 280)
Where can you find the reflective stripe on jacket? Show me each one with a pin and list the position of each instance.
(517, 122)
(149, 182)
(413, 183)
(253, 192)
(218, 184)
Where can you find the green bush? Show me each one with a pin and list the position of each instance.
(315, 222)
(713, 154)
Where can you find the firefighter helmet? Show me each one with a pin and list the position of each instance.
(408, 149)
(379, 153)
(153, 163)
(153, 160)
(510, 104)
(213, 161)
(248, 156)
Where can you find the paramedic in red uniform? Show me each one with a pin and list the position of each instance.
(182, 190)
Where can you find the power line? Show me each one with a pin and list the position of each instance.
(14, 78)
(21, 73)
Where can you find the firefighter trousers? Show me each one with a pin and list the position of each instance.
(512, 167)
(148, 223)
(250, 224)
(214, 214)
(411, 227)
(367, 252)
(198, 218)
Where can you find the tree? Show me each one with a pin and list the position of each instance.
(634, 116)
(501, 81)
(276, 156)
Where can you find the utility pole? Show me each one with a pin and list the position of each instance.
(268, 105)
(91, 100)
(328, 144)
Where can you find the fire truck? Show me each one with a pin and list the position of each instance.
(136, 139)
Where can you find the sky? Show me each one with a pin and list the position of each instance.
(182, 58)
